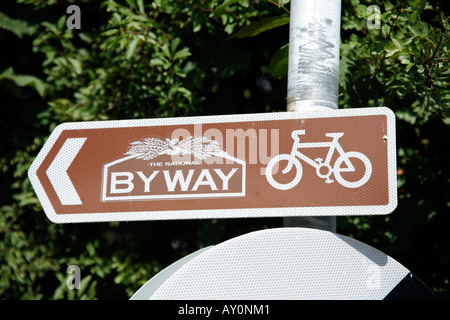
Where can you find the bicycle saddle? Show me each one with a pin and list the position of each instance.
(297, 133)
(334, 134)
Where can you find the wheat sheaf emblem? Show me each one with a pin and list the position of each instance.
(200, 147)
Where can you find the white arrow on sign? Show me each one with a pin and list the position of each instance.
(57, 172)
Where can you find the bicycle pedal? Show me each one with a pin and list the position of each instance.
(318, 160)
(329, 181)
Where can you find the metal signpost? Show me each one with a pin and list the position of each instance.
(313, 73)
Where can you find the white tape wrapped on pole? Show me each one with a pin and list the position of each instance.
(313, 71)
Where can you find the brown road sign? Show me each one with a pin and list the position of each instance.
(332, 162)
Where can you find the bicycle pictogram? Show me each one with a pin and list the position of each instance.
(323, 168)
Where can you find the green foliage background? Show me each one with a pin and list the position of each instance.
(145, 59)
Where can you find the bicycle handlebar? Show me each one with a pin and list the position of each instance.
(297, 133)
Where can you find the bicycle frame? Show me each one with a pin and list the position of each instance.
(333, 146)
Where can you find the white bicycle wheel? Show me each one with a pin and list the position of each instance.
(295, 163)
(352, 184)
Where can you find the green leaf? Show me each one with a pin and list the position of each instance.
(83, 284)
(156, 62)
(110, 32)
(131, 48)
(175, 44)
(218, 11)
(397, 43)
(281, 3)
(24, 80)
(76, 65)
(18, 27)
(413, 17)
(409, 66)
(165, 49)
(265, 24)
(140, 4)
(278, 66)
(414, 30)
(183, 53)
(390, 50)
(131, 3)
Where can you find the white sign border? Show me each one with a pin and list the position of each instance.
(221, 213)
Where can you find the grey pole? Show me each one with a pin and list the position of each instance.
(313, 73)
